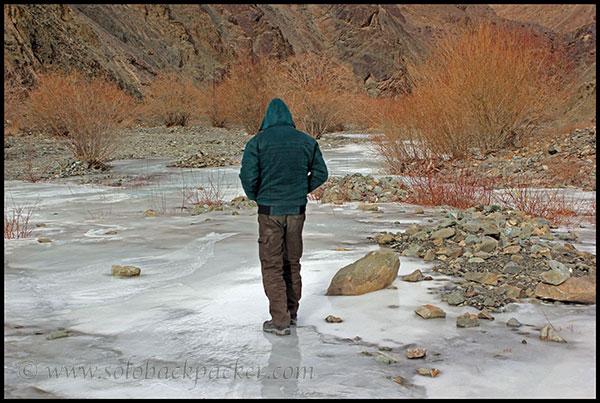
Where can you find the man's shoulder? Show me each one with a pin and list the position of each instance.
(307, 137)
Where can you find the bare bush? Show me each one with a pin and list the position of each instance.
(16, 87)
(555, 205)
(85, 111)
(247, 87)
(215, 104)
(16, 219)
(462, 190)
(321, 92)
(171, 100)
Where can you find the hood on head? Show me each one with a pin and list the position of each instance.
(277, 114)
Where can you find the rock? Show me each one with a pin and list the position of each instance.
(367, 207)
(547, 333)
(415, 353)
(419, 210)
(384, 238)
(513, 322)
(560, 250)
(414, 276)
(57, 334)
(374, 271)
(467, 320)
(471, 239)
(430, 312)
(511, 250)
(385, 358)
(574, 289)
(455, 298)
(448, 222)
(554, 277)
(432, 372)
(487, 245)
(471, 226)
(125, 271)
(412, 251)
(475, 260)
(513, 292)
(333, 319)
(556, 265)
(485, 314)
(44, 240)
(483, 277)
(511, 268)
(456, 253)
(443, 233)
(490, 229)
(429, 255)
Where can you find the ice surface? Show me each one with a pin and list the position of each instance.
(200, 304)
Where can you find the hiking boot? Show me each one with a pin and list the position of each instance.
(269, 327)
(293, 320)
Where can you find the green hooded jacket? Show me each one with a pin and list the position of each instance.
(281, 165)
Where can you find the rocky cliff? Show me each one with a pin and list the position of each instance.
(132, 42)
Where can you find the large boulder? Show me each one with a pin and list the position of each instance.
(372, 272)
(574, 289)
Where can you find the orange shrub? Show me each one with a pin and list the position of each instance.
(172, 100)
(86, 111)
(321, 92)
(215, 104)
(248, 89)
(488, 87)
(16, 87)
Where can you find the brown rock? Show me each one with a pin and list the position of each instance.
(125, 271)
(574, 289)
(414, 276)
(467, 320)
(430, 312)
(415, 353)
(374, 271)
(432, 372)
(333, 319)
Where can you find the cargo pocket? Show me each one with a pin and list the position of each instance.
(262, 247)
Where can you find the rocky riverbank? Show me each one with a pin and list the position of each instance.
(499, 256)
(33, 157)
(565, 160)
(358, 187)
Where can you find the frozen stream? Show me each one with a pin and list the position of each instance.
(191, 324)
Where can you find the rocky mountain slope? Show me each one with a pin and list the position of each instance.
(131, 43)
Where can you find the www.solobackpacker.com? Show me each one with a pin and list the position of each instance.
(147, 369)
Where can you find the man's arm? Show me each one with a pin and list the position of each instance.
(250, 171)
(318, 170)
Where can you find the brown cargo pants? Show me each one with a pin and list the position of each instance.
(280, 250)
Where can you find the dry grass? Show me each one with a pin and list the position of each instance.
(16, 219)
(555, 205)
(86, 111)
(211, 194)
(463, 190)
(171, 100)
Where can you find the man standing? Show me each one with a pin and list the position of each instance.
(280, 166)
